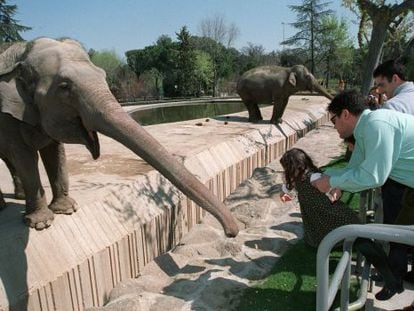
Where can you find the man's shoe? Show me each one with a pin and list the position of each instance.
(386, 293)
(377, 278)
(409, 277)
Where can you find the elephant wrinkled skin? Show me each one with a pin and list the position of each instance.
(273, 84)
(51, 94)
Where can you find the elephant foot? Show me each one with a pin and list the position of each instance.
(39, 219)
(63, 205)
(276, 121)
(255, 119)
(2, 202)
(19, 194)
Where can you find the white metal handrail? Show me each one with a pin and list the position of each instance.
(326, 293)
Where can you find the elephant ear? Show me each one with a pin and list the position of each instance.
(292, 78)
(14, 96)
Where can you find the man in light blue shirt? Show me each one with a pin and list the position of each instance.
(384, 149)
(391, 79)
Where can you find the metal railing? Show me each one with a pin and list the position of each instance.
(326, 292)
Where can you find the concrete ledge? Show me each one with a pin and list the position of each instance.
(129, 213)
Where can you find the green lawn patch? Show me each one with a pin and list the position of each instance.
(291, 285)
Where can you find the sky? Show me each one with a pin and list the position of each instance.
(123, 25)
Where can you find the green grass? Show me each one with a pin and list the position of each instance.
(291, 285)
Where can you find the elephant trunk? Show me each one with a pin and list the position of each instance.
(320, 89)
(117, 124)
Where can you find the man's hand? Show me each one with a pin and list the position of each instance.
(322, 184)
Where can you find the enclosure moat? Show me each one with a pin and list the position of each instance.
(176, 112)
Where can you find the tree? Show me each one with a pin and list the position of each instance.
(126, 84)
(204, 72)
(309, 18)
(221, 37)
(408, 54)
(253, 55)
(109, 61)
(335, 47)
(151, 83)
(121, 79)
(217, 29)
(382, 16)
(398, 38)
(291, 57)
(9, 27)
(160, 58)
(186, 85)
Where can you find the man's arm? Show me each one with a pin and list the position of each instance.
(381, 146)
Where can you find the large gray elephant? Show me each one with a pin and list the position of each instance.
(273, 84)
(50, 94)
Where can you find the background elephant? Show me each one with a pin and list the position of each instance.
(50, 94)
(274, 84)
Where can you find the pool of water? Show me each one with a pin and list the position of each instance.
(182, 112)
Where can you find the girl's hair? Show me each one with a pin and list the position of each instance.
(350, 140)
(296, 163)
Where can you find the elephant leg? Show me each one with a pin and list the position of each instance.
(54, 160)
(37, 214)
(2, 202)
(279, 107)
(254, 112)
(18, 185)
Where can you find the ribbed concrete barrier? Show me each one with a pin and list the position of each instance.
(129, 213)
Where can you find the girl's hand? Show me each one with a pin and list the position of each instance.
(285, 197)
(335, 194)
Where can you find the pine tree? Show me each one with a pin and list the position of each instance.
(309, 17)
(9, 27)
(186, 64)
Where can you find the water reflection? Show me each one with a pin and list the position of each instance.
(167, 114)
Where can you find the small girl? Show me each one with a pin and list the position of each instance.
(321, 214)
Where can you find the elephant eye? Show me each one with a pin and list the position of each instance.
(64, 85)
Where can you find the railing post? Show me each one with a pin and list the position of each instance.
(347, 276)
(322, 279)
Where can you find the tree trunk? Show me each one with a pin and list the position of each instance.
(328, 70)
(379, 30)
